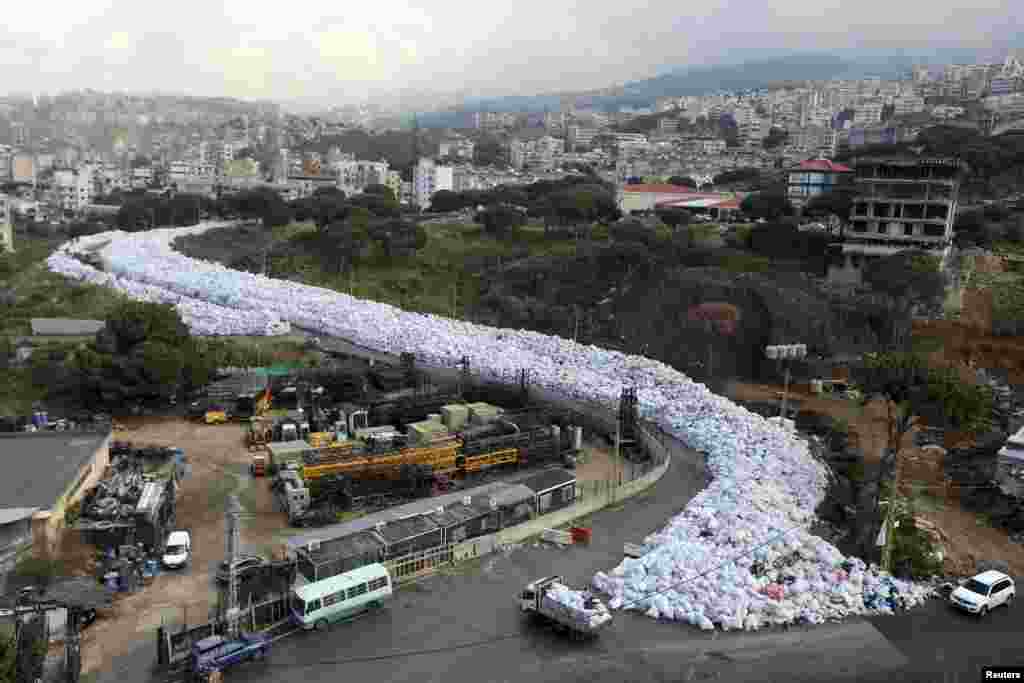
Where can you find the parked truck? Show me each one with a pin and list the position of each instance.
(542, 599)
(217, 653)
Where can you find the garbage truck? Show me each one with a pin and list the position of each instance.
(578, 613)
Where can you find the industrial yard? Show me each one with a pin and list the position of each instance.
(218, 460)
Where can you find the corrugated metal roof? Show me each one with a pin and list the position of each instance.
(8, 515)
(65, 326)
(548, 479)
(478, 497)
(400, 530)
(355, 545)
(40, 466)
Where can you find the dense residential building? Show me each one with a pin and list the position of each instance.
(814, 177)
(428, 178)
(902, 202)
(867, 113)
(458, 148)
(580, 137)
(354, 176)
(6, 225)
(23, 168)
(542, 153)
(305, 185)
(908, 104)
(74, 188)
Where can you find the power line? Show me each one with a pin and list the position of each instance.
(514, 636)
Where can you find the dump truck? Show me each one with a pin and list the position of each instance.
(538, 599)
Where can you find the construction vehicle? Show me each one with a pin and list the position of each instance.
(538, 598)
(215, 415)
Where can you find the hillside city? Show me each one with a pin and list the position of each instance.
(725, 385)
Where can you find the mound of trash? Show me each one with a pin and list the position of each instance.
(739, 556)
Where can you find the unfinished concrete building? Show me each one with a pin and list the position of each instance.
(902, 202)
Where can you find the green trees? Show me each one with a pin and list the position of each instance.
(910, 388)
(445, 201)
(500, 219)
(912, 280)
(674, 218)
(683, 181)
(263, 204)
(378, 189)
(770, 205)
(143, 354)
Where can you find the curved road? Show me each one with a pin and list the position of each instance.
(466, 626)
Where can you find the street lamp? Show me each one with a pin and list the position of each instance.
(786, 352)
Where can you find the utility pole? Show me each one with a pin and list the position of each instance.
(576, 326)
(231, 611)
(784, 353)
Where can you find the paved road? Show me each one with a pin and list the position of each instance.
(932, 644)
(432, 631)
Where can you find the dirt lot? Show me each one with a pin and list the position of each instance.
(219, 467)
(967, 536)
(219, 463)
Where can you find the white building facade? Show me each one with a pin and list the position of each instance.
(429, 177)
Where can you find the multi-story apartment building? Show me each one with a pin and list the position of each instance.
(23, 168)
(902, 202)
(6, 225)
(808, 138)
(580, 137)
(74, 188)
(429, 177)
(814, 177)
(867, 113)
(458, 148)
(542, 153)
(668, 125)
(354, 176)
(907, 104)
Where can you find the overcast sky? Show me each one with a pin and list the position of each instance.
(331, 50)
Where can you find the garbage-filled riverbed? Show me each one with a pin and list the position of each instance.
(740, 556)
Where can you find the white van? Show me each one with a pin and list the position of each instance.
(178, 549)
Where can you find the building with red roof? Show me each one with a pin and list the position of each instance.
(814, 177)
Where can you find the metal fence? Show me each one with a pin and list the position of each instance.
(416, 565)
(172, 648)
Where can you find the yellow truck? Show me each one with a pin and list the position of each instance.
(215, 416)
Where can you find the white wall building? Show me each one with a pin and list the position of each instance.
(428, 178)
(74, 187)
(354, 175)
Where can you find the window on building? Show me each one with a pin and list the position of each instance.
(908, 229)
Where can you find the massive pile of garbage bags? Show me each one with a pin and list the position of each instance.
(739, 556)
(586, 608)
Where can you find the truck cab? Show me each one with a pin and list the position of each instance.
(529, 599)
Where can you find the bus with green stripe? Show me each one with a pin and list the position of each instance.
(321, 603)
